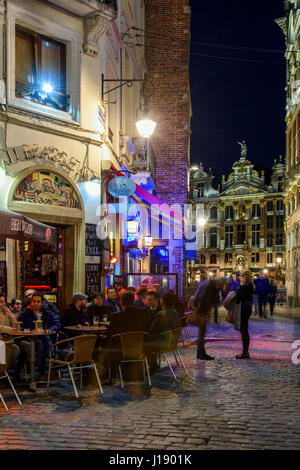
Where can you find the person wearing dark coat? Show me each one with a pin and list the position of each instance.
(272, 296)
(75, 313)
(244, 296)
(34, 312)
(98, 309)
(166, 319)
(262, 287)
(153, 303)
(141, 301)
(111, 300)
(130, 319)
(206, 296)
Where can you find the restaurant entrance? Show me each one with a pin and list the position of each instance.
(47, 268)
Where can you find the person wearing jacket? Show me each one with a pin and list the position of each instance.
(34, 312)
(262, 287)
(244, 295)
(272, 296)
(112, 300)
(206, 296)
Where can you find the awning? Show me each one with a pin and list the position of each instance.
(20, 227)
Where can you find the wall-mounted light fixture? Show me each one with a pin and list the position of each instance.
(145, 125)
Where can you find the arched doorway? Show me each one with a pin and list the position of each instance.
(48, 196)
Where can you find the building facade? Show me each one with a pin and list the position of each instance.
(62, 132)
(290, 25)
(243, 222)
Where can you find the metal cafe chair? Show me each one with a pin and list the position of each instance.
(184, 322)
(168, 341)
(80, 358)
(3, 370)
(132, 351)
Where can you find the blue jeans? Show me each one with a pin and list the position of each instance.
(42, 346)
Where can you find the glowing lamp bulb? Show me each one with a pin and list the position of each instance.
(279, 259)
(113, 260)
(47, 88)
(145, 127)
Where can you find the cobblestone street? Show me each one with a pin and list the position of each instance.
(223, 404)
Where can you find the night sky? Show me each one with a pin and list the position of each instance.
(232, 99)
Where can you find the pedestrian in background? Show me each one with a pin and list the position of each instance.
(262, 289)
(244, 295)
(272, 296)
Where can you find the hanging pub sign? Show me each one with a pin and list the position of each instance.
(121, 186)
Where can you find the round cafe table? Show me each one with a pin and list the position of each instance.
(31, 334)
(88, 329)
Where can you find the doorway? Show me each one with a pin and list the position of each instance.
(47, 268)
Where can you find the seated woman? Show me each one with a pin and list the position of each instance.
(165, 320)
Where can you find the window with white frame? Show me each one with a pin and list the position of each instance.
(40, 68)
(43, 63)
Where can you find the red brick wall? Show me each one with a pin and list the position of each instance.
(167, 41)
(168, 69)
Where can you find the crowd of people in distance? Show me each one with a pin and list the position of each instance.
(130, 310)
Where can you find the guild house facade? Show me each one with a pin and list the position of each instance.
(243, 221)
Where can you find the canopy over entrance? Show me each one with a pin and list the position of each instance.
(20, 227)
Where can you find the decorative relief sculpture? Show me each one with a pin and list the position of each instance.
(48, 154)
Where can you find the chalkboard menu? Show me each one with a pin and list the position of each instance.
(92, 278)
(3, 285)
(93, 244)
(2, 244)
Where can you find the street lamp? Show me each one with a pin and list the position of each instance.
(145, 126)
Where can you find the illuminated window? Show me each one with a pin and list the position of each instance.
(228, 235)
(255, 234)
(241, 234)
(255, 210)
(40, 69)
(255, 258)
(229, 212)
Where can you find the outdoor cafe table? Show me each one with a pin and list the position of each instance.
(88, 329)
(31, 334)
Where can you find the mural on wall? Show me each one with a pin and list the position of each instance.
(44, 187)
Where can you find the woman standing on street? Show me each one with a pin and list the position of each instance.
(245, 296)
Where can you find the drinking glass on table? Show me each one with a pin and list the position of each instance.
(105, 318)
(96, 321)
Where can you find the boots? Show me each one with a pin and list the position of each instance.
(244, 355)
(201, 354)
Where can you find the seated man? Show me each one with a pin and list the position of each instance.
(130, 319)
(75, 313)
(50, 321)
(98, 309)
(154, 306)
(112, 300)
(165, 320)
(141, 301)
